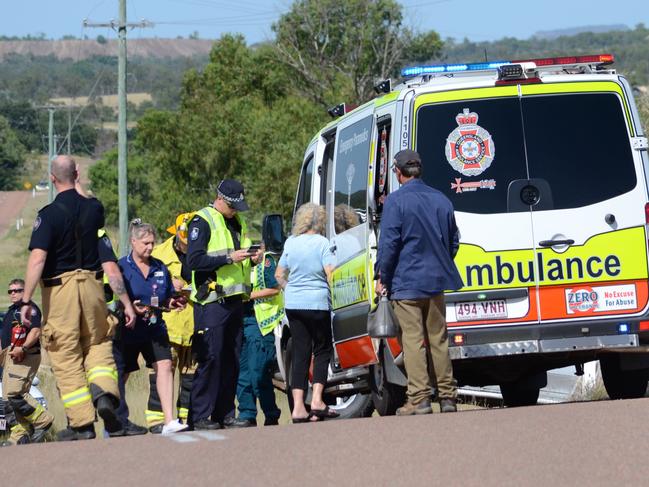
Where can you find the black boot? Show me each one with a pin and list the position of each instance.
(86, 432)
(107, 410)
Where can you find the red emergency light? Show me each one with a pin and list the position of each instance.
(563, 60)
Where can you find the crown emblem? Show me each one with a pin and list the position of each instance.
(467, 118)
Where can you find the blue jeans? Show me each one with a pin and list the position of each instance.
(255, 381)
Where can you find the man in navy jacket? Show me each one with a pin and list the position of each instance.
(417, 243)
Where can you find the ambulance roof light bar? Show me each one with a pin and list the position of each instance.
(599, 59)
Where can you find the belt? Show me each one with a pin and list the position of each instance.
(57, 281)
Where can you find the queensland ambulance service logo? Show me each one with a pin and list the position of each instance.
(469, 148)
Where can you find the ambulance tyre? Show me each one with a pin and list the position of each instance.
(622, 384)
(386, 397)
(524, 391)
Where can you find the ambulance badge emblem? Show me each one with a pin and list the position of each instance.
(469, 148)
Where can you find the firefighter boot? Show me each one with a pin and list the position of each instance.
(106, 405)
(86, 432)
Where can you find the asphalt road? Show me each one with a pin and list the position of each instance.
(596, 443)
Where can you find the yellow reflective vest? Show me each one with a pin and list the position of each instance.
(180, 324)
(231, 279)
(268, 311)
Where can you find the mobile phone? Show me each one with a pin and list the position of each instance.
(254, 248)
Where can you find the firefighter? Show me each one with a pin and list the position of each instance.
(22, 359)
(64, 257)
(219, 258)
(180, 325)
(261, 315)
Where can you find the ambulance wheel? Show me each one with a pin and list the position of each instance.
(524, 391)
(386, 397)
(622, 384)
(358, 405)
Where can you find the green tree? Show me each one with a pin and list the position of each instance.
(12, 156)
(339, 48)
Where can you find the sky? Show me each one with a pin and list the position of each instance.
(477, 20)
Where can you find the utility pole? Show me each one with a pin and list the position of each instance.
(51, 146)
(122, 157)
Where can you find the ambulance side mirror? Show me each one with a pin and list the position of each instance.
(273, 233)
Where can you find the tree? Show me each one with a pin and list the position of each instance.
(12, 156)
(339, 48)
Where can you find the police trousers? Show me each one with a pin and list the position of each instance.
(255, 382)
(217, 346)
(77, 336)
(424, 339)
(182, 360)
(17, 379)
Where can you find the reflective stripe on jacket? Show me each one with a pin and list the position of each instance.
(268, 311)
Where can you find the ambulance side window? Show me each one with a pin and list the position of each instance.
(350, 185)
(306, 178)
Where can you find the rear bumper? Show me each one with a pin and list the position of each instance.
(545, 338)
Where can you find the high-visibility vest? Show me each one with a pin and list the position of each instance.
(180, 324)
(268, 311)
(109, 295)
(231, 279)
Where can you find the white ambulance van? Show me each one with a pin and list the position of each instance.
(545, 162)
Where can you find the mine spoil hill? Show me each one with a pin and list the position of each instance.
(83, 49)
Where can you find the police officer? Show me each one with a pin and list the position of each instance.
(22, 359)
(219, 258)
(180, 325)
(64, 257)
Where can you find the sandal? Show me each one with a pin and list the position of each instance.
(327, 412)
(301, 420)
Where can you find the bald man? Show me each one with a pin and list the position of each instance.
(66, 259)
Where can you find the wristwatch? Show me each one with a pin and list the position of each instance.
(228, 259)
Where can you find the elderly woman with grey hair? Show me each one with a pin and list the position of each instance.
(308, 262)
(150, 288)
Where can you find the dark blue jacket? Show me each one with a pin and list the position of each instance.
(417, 243)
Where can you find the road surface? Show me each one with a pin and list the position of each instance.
(595, 443)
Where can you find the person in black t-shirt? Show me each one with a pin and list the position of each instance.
(65, 255)
(22, 352)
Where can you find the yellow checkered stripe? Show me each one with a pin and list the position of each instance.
(99, 371)
(77, 397)
(154, 417)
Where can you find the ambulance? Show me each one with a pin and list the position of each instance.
(545, 161)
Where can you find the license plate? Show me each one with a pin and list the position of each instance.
(481, 310)
(3, 424)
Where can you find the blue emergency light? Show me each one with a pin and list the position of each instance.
(623, 328)
(451, 68)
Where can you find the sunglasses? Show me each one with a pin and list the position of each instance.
(11, 291)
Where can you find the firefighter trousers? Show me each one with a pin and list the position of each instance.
(181, 359)
(77, 336)
(17, 379)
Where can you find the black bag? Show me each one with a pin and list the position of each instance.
(382, 322)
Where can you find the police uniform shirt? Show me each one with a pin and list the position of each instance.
(199, 236)
(142, 288)
(54, 232)
(13, 314)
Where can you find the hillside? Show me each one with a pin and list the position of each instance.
(84, 49)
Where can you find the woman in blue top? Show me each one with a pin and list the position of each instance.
(150, 288)
(309, 262)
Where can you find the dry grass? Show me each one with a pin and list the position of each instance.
(106, 100)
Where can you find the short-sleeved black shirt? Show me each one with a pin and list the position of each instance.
(7, 324)
(54, 230)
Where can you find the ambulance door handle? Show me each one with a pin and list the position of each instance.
(552, 243)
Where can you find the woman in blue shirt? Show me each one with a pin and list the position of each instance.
(150, 288)
(309, 262)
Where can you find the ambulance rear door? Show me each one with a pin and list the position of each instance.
(472, 146)
(587, 194)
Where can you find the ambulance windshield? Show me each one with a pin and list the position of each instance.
(577, 143)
